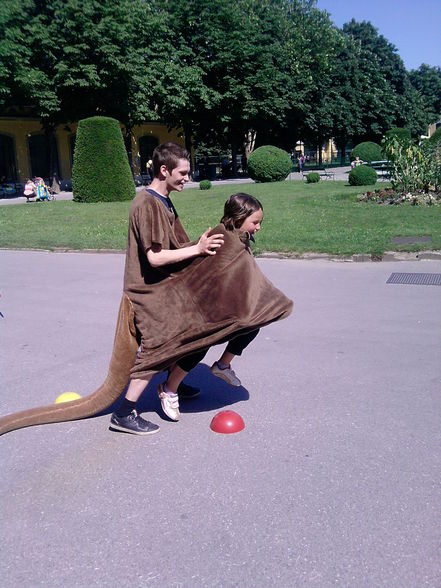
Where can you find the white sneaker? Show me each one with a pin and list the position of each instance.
(169, 403)
(226, 374)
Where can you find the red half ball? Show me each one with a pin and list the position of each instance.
(227, 421)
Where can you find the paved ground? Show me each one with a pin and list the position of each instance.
(335, 480)
(341, 173)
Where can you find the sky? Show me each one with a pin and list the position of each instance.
(413, 26)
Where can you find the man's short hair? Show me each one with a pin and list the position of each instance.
(168, 154)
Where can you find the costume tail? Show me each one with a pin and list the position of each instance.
(123, 357)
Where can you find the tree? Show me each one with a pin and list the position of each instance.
(427, 82)
(234, 75)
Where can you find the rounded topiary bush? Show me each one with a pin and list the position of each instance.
(313, 178)
(367, 151)
(101, 171)
(204, 185)
(400, 133)
(362, 175)
(269, 164)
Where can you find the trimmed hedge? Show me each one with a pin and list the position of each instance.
(367, 151)
(313, 178)
(362, 175)
(400, 133)
(204, 185)
(101, 171)
(269, 164)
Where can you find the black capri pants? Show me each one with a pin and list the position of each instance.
(235, 346)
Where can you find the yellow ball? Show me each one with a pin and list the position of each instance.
(67, 397)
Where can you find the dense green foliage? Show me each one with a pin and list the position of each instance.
(427, 81)
(413, 167)
(367, 151)
(236, 74)
(362, 175)
(399, 133)
(269, 164)
(101, 172)
(313, 178)
(204, 185)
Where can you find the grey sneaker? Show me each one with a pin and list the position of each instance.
(133, 424)
(226, 374)
(169, 403)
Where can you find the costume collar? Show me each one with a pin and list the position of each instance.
(164, 199)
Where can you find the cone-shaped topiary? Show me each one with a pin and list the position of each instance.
(101, 171)
(269, 164)
(367, 151)
(362, 175)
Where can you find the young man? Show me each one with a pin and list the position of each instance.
(157, 245)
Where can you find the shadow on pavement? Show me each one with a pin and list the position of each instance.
(215, 394)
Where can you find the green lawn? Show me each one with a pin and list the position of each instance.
(298, 217)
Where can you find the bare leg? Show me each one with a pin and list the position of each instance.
(175, 377)
(226, 358)
(135, 389)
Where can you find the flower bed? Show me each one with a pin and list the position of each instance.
(390, 196)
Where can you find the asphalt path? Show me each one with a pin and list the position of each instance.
(335, 481)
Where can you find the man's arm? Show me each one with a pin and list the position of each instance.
(206, 245)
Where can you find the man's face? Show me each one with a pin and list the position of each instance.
(178, 177)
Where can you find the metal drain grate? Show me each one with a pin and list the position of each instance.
(417, 279)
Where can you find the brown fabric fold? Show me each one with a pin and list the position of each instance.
(208, 302)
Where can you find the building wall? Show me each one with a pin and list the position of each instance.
(20, 129)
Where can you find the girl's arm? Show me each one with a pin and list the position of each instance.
(206, 245)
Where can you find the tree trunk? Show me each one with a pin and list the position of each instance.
(342, 147)
(320, 152)
(128, 146)
(189, 145)
(250, 141)
(234, 159)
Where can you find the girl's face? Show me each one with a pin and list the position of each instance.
(252, 223)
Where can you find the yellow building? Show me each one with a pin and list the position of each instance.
(25, 153)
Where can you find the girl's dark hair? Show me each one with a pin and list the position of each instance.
(167, 154)
(237, 208)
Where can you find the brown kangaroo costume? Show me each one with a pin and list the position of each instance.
(196, 304)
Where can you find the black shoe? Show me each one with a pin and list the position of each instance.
(185, 392)
(132, 424)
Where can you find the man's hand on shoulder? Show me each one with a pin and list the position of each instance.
(208, 244)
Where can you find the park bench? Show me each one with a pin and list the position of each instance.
(326, 173)
(382, 168)
(323, 173)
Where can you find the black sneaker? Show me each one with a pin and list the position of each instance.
(185, 392)
(132, 424)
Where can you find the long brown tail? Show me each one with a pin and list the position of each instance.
(123, 357)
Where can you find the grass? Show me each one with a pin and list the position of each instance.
(298, 217)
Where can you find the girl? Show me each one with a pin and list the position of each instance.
(244, 213)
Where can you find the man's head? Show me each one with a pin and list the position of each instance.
(168, 155)
(171, 167)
